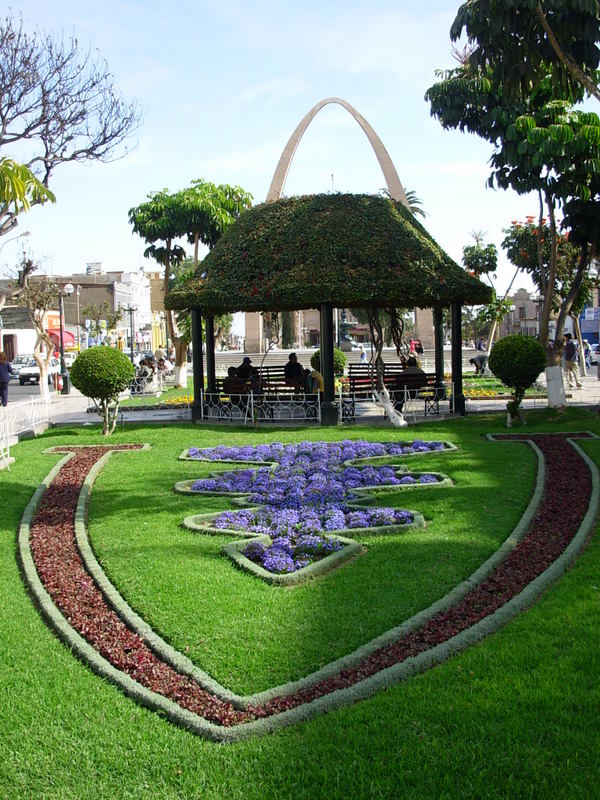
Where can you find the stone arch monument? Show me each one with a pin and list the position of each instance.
(423, 317)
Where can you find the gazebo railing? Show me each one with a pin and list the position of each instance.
(250, 407)
(353, 405)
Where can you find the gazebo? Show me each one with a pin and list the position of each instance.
(326, 251)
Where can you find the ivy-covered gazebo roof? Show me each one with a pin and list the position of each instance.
(351, 250)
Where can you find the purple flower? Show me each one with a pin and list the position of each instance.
(305, 495)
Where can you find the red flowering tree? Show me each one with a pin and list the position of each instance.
(563, 280)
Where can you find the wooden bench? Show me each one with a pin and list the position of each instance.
(402, 387)
(272, 395)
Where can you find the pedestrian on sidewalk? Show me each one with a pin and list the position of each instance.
(571, 357)
(6, 371)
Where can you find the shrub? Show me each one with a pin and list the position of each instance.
(339, 361)
(517, 361)
(102, 373)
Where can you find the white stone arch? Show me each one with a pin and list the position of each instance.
(383, 157)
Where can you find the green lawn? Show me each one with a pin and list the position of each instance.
(516, 716)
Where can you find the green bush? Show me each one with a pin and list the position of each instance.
(102, 373)
(339, 361)
(517, 361)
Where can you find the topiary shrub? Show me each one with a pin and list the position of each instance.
(517, 361)
(102, 373)
(339, 361)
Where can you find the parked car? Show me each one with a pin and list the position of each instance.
(594, 353)
(69, 359)
(31, 372)
(19, 362)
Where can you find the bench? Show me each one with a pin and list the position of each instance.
(273, 399)
(403, 388)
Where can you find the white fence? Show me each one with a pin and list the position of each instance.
(27, 416)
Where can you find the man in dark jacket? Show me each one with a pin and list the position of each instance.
(293, 372)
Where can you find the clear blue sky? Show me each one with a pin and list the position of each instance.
(224, 84)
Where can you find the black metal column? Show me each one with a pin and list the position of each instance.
(458, 398)
(198, 363)
(438, 343)
(329, 409)
(211, 384)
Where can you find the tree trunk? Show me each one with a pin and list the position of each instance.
(180, 371)
(582, 365)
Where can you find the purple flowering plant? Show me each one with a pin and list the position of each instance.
(304, 493)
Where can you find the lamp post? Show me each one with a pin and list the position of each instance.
(66, 291)
(77, 296)
(131, 310)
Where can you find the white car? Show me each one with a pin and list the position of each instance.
(31, 372)
(594, 348)
(19, 362)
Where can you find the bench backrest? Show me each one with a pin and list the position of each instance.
(362, 377)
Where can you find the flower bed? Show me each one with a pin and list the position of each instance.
(307, 491)
(556, 532)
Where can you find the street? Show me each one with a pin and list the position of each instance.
(18, 394)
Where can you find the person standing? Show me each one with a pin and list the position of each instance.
(6, 371)
(571, 357)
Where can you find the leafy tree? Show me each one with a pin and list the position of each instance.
(38, 298)
(201, 213)
(99, 314)
(522, 41)
(58, 104)
(102, 373)
(209, 209)
(481, 260)
(540, 144)
(517, 361)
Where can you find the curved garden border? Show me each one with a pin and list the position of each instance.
(547, 539)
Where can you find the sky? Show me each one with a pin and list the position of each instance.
(223, 85)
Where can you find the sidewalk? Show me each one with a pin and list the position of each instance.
(71, 409)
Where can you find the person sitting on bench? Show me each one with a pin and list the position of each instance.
(407, 384)
(294, 372)
(247, 373)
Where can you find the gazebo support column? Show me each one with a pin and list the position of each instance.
(458, 398)
(329, 409)
(438, 343)
(211, 384)
(198, 367)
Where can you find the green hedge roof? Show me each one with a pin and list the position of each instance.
(351, 250)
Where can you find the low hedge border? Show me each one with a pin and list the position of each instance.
(362, 690)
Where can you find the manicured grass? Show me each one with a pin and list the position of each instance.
(514, 717)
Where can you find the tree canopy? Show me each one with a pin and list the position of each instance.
(523, 41)
(200, 213)
(540, 143)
